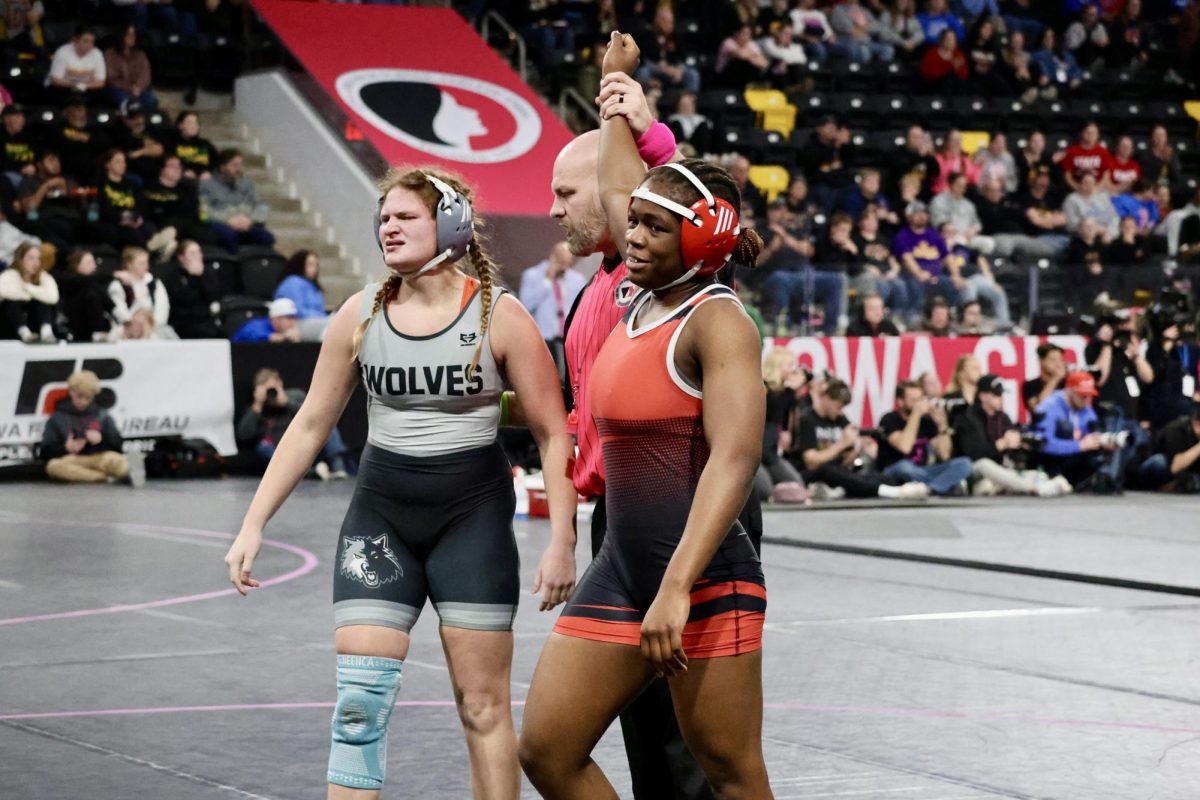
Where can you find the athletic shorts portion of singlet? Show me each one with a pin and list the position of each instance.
(437, 527)
(431, 515)
(652, 432)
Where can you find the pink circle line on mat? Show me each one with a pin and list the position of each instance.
(308, 565)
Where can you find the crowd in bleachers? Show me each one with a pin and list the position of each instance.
(929, 152)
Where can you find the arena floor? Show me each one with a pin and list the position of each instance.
(127, 667)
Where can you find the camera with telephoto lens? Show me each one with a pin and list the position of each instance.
(272, 394)
(1172, 309)
(947, 403)
(1114, 439)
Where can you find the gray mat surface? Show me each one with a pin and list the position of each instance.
(125, 667)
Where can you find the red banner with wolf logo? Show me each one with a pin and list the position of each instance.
(426, 89)
(873, 367)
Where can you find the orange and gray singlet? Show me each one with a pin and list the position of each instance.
(649, 417)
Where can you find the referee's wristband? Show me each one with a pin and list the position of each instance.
(504, 401)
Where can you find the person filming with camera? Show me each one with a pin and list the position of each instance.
(1172, 361)
(1074, 446)
(271, 412)
(913, 433)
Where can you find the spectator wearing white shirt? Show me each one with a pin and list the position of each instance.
(78, 67)
(812, 26)
(1088, 202)
(997, 164)
(135, 289)
(858, 30)
(28, 297)
(955, 207)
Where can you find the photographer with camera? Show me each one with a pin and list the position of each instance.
(836, 454)
(1174, 362)
(270, 414)
(914, 434)
(989, 438)
(1115, 354)
(1074, 446)
(1175, 465)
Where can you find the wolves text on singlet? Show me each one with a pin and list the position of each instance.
(450, 380)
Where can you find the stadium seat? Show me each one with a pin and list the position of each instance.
(972, 141)
(1192, 107)
(224, 269)
(770, 180)
(108, 259)
(261, 270)
(237, 310)
(810, 107)
(772, 110)
(853, 110)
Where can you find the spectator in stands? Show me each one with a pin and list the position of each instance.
(79, 142)
(689, 125)
(1002, 218)
(197, 153)
(951, 159)
(1087, 38)
(1033, 159)
(838, 254)
(662, 59)
(12, 237)
(1175, 465)
(917, 158)
(776, 478)
(938, 321)
(1056, 68)
(1052, 371)
(48, 199)
(931, 384)
(996, 163)
(963, 385)
(302, 285)
(925, 258)
(120, 205)
(790, 278)
(278, 326)
(1088, 279)
(28, 298)
(1173, 364)
(812, 26)
(785, 54)
(85, 301)
(1123, 169)
(128, 72)
(824, 159)
(881, 270)
(1161, 162)
(740, 60)
(1129, 37)
(860, 33)
(172, 202)
(1016, 67)
(868, 191)
(834, 453)
(986, 435)
(899, 26)
(1182, 229)
(944, 66)
(983, 56)
(954, 207)
(134, 288)
(1073, 445)
(1128, 249)
(1044, 218)
(18, 155)
(972, 277)
(1090, 202)
(548, 290)
(232, 205)
(81, 443)
(271, 412)
(803, 208)
(937, 19)
(1139, 202)
(971, 321)
(78, 67)
(872, 319)
(739, 169)
(914, 435)
(193, 299)
(1086, 156)
(143, 150)
(23, 28)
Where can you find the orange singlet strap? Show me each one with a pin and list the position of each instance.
(468, 292)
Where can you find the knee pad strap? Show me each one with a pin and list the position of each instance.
(367, 689)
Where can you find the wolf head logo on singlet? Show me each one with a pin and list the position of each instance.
(456, 117)
(370, 561)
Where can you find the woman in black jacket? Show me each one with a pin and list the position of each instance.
(85, 301)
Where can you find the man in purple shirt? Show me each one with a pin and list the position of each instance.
(927, 265)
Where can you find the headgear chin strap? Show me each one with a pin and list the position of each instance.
(455, 225)
(709, 232)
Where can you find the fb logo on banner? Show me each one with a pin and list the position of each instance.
(414, 107)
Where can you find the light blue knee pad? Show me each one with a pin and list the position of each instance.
(366, 690)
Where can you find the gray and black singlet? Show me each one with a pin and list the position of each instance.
(432, 512)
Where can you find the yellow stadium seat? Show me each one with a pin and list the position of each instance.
(772, 110)
(1192, 107)
(973, 140)
(770, 180)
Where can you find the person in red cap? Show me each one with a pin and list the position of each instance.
(1074, 446)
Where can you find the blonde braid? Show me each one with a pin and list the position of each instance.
(485, 269)
(386, 294)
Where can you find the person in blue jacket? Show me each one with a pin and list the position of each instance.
(302, 285)
(1074, 446)
(278, 326)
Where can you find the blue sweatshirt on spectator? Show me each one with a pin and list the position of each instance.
(1063, 426)
(309, 300)
(258, 329)
(934, 24)
(974, 8)
(1050, 64)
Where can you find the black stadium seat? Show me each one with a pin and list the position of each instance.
(261, 270)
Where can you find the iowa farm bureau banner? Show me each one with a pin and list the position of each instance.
(424, 88)
(151, 389)
(873, 367)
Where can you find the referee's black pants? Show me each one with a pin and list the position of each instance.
(660, 763)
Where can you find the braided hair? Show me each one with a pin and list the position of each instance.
(679, 188)
(481, 262)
